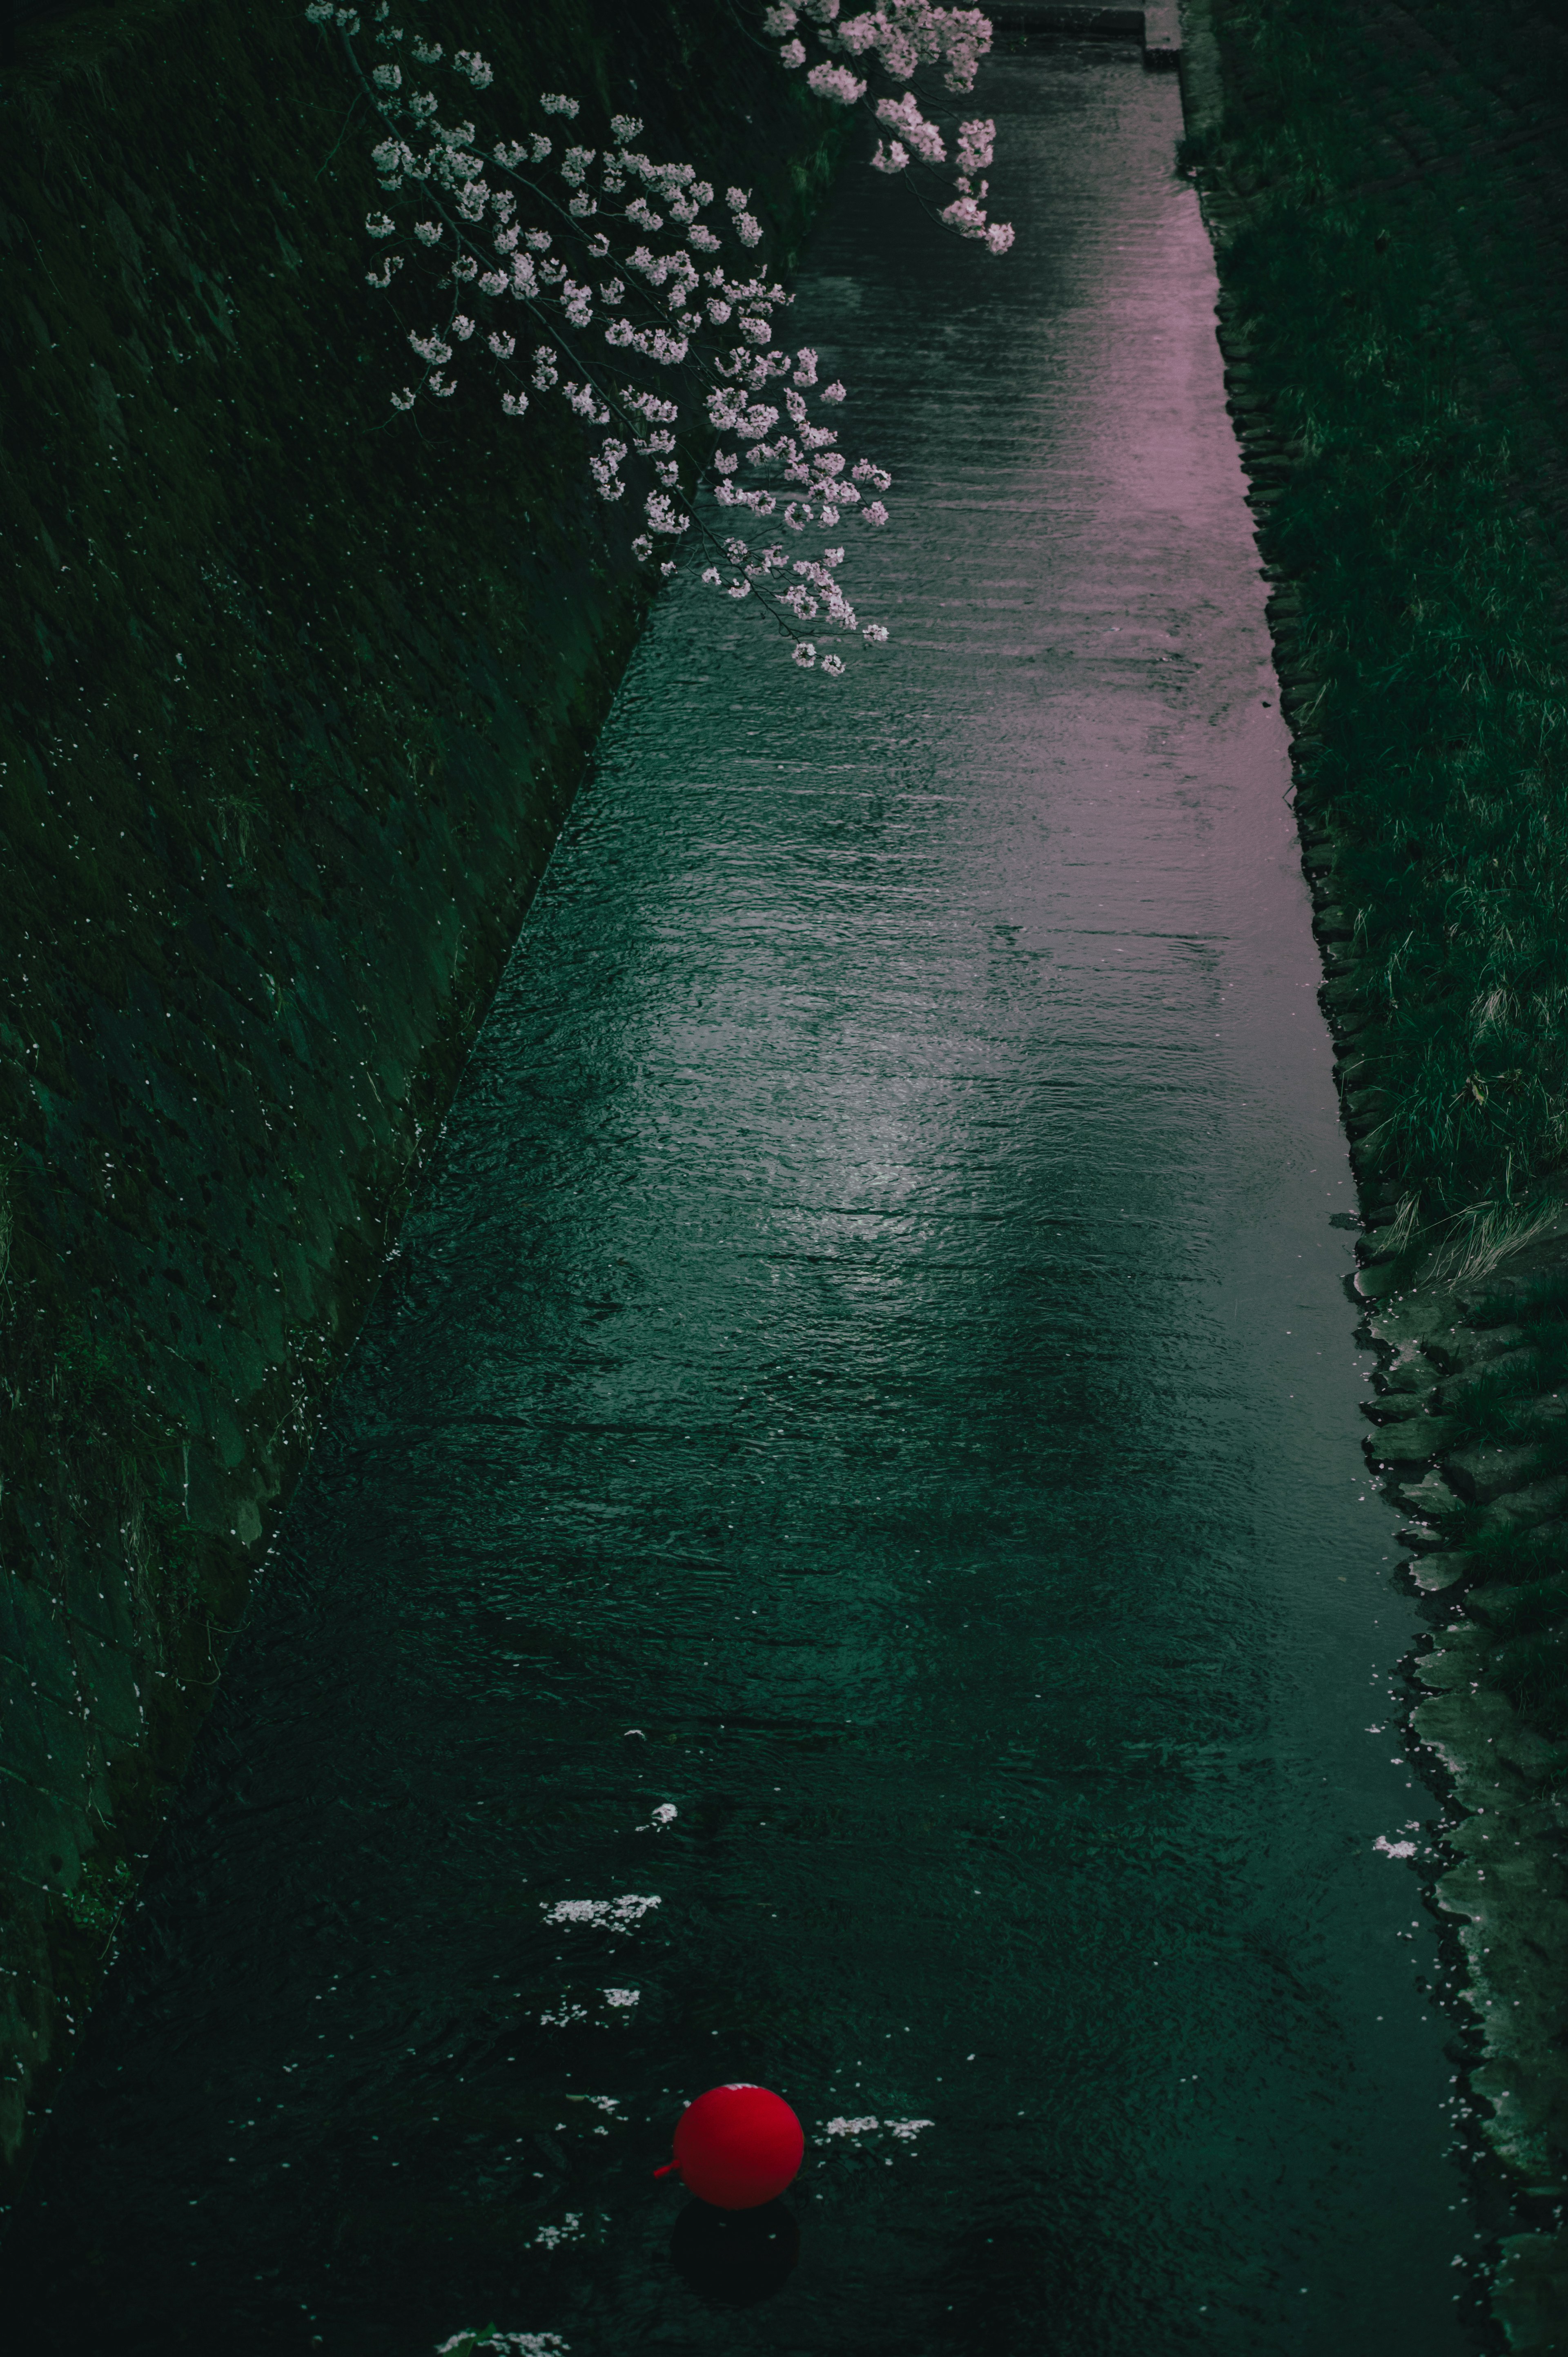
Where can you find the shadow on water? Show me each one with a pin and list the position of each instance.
(736, 2258)
(876, 1329)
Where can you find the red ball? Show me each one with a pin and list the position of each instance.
(738, 2146)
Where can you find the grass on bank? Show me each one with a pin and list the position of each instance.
(1518, 1584)
(269, 655)
(1431, 607)
(1432, 598)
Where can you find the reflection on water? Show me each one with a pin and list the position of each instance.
(876, 1330)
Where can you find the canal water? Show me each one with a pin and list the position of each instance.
(843, 1557)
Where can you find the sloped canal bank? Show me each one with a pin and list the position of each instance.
(1387, 186)
(876, 1332)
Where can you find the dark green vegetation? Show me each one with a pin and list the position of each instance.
(1519, 1588)
(1389, 186)
(1397, 266)
(292, 697)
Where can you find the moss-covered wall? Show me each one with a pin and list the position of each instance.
(292, 701)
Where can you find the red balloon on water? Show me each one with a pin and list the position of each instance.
(738, 2146)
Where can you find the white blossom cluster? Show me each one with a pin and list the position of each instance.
(609, 1914)
(903, 38)
(487, 2342)
(550, 2238)
(867, 2125)
(572, 270)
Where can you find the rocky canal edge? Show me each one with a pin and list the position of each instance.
(1468, 1410)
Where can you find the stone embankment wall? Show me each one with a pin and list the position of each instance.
(293, 698)
(1387, 185)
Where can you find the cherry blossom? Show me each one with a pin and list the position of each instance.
(902, 39)
(828, 81)
(976, 144)
(515, 225)
(903, 115)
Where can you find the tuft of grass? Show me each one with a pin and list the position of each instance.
(1532, 1671)
(1477, 1242)
(1501, 1557)
(1512, 1401)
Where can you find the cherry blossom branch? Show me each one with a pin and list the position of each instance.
(902, 37)
(674, 310)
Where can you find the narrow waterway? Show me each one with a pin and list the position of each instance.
(873, 1373)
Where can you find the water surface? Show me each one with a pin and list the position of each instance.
(873, 1373)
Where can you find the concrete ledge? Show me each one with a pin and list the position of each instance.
(1162, 39)
(1202, 94)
